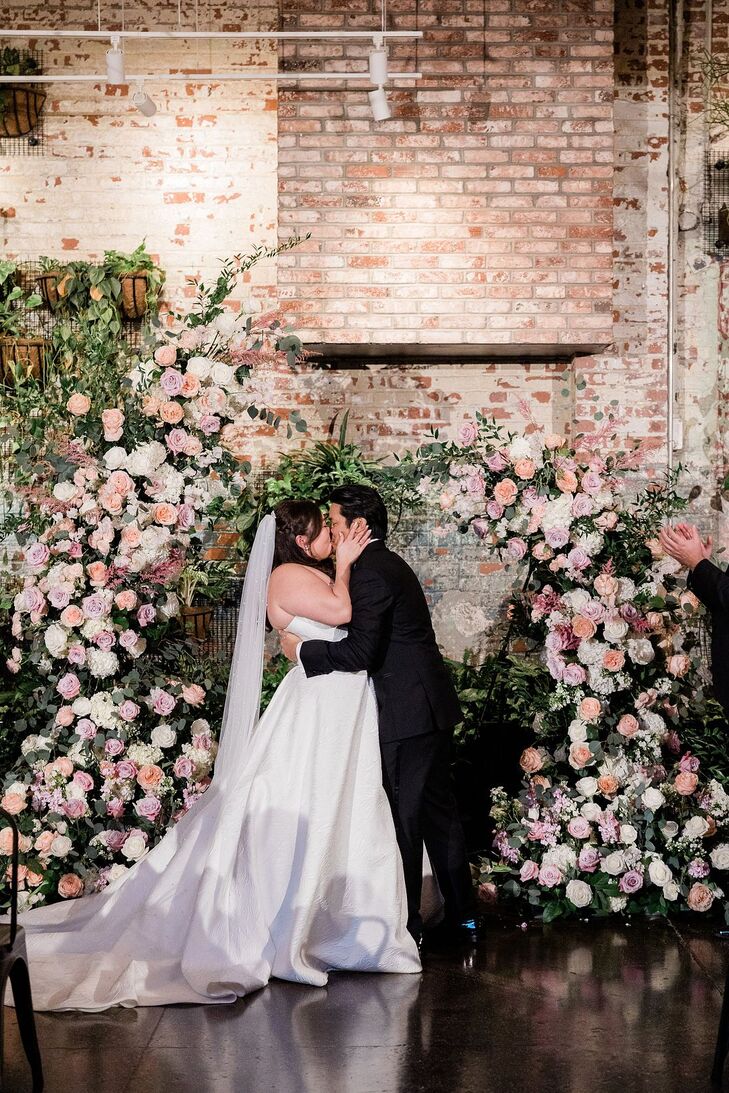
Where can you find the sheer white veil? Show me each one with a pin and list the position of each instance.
(246, 670)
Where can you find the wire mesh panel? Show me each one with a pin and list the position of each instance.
(22, 130)
(221, 634)
(715, 209)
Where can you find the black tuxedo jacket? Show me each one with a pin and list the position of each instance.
(391, 637)
(711, 585)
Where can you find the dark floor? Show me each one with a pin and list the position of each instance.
(574, 1009)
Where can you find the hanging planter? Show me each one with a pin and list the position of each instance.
(196, 621)
(23, 355)
(48, 287)
(134, 287)
(20, 110)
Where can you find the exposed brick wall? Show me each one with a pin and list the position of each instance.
(482, 211)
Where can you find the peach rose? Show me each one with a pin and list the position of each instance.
(190, 385)
(166, 355)
(654, 620)
(63, 765)
(686, 782)
(628, 725)
(566, 481)
(700, 898)
(33, 879)
(590, 709)
(613, 660)
(121, 483)
(194, 694)
(64, 716)
(608, 785)
(70, 886)
(113, 422)
(150, 405)
(97, 572)
(165, 514)
(655, 548)
(126, 600)
(110, 500)
(531, 761)
(580, 755)
(554, 441)
(583, 627)
(678, 665)
(171, 412)
(605, 585)
(149, 777)
(524, 468)
(78, 404)
(13, 803)
(6, 841)
(44, 842)
(72, 615)
(505, 492)
(131, 536)
(541, 780)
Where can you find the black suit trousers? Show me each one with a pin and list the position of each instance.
(417, 780)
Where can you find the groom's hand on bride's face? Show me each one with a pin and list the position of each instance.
(289, 645)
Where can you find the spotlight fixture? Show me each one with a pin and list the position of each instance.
(379, 105)
(115, 62)
(378, 62)
(142, 101)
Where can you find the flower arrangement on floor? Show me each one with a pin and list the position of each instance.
(116, 497)
(614, 814)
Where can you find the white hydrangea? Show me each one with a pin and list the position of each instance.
(618, 903)
(558, 513)
(653, 722)
(589, 541)
(563, 856)
(102, 664)
(103, 711)
(576, 599)
(144, 754)
(167, 485)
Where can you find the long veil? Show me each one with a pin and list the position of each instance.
(243, 697)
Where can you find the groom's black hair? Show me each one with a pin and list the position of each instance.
(362, 501)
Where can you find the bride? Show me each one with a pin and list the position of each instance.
(288, 865)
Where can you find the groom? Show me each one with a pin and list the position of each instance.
(391, 637)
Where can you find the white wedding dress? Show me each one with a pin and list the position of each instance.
(287, 866)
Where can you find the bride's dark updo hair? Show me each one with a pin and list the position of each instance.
(298, 518)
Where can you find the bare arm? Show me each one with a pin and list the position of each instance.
(300, 590)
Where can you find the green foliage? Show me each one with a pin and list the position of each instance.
(15, 63)
(204, 582)
(117, 264)
(275, 671)
(14, 309)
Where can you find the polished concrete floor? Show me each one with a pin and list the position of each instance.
(570, 1009)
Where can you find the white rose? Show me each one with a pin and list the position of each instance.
(117, 870)
(670, 830)
(591, 811)
(74, 792)
(200, 367)
(56, 640)
(579, 893)
(200, 725)
(653, 799)
(640, 651)
(614, 863)
(222, 374)
(628, 834)
(81, 707)
(695, 827)
(60, 846)
(115, 458)
(163, 736)
(134, 848)
(29, 744)
(64, 491)
(659, 872)
(615, 630)
(670, 890)
(720, 856)
(577, 732)
(587, 787)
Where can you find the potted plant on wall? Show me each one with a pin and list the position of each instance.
(21, 351)
(141, 280)
(21, 106)
(202, 587)
(50, 272)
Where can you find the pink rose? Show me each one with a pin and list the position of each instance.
(162, 702)
(78, 404)
(579, 559)
(579, 828)
(104, 640)
(606, 585)
(582, 627)
(68, 686)
(131, 536)
(126, 769)
(115, 840)
(590, 709)
(165, 355)
(209, 424)
(114, 746)
(524, 468)
(193, 446)
(550, 876)
(202, 740)
(176, 440)
(113, 422)
(59, 597)
(185, 517)
(76, 655)
(86, 729)
(146, 614)
(497, 462)
(70, 886)
(81, 778)
(148, 808)
(183, 767)
(13, 803)
(171, 382)
(468, 433)
(574, 675)
(689, 762)
(630, 882)
(589, 859)
(128, 639)
(115, 808)
(36, 555)
(582, 505)
(65, 716)
(580, 755)
(74, 809)
(128, 710)
(516, 549)
(193, 695)
(557, 537)
(120, 482)
(529, 871)
(591, 482)
(494, 510)
(94, 606)
(678, 665)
